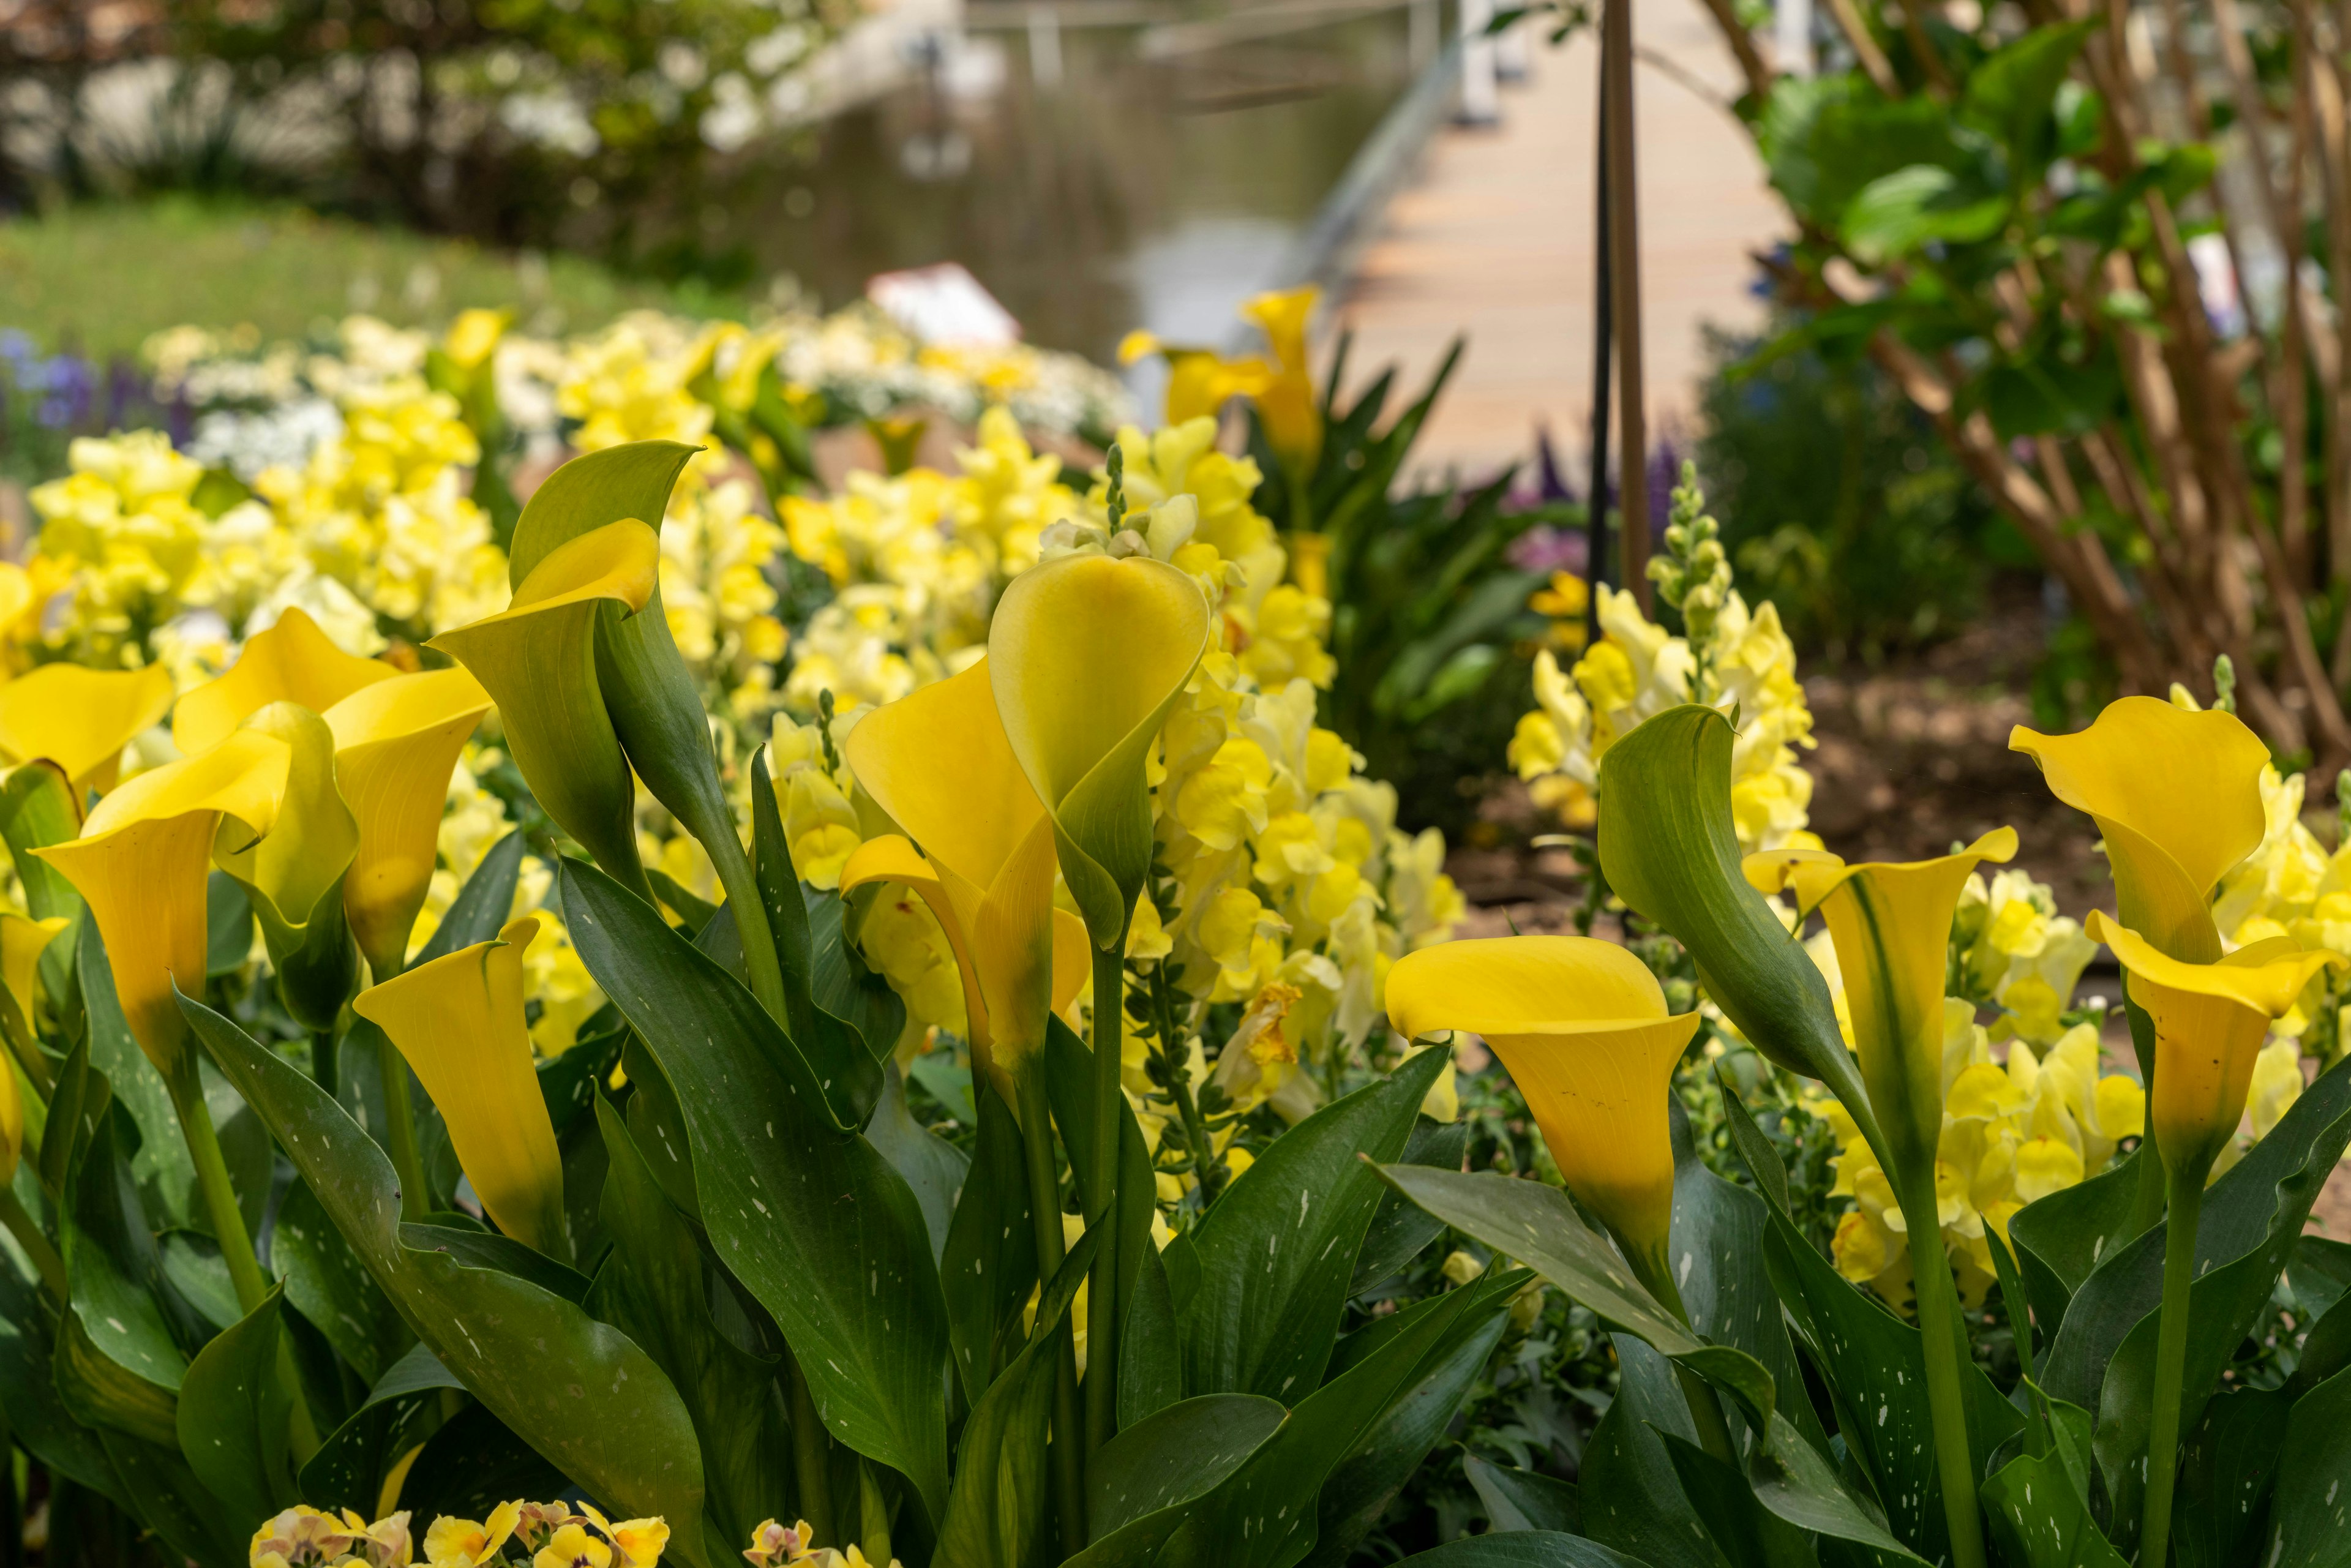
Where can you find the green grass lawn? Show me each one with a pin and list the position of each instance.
(99, 278)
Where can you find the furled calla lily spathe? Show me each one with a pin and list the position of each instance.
(23, 940)
(81, 719)
(1287, 406)
(2178, 794)
(142, 860)
(292, 662)
(1200, 382)
(537, 659)
(1086, 655)
(458, 1021)
(1892, 926)
(1582, 1027)
(2210, 1022)
(396, 742)
(937, 761)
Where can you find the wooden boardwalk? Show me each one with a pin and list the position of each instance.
(1494, 238)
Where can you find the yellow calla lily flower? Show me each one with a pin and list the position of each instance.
(2210, 1022)
(81, 719)
(295, 875)
(1892, 926)
(1086, 655)
(1582, 1027)
(2178, 794)
(396, 742)
(458, 1020)
(141, 863)
(938, 762)
(537, 659)
(23, 940)
(292, 662)
(1287, 406)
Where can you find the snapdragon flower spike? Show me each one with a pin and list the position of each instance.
(537, 659)
(1086, 655)
(79, 718)
(142, 862)
(1583, 1027)
(2210, 1022)
(459, 1022)
(396, 743)
(2177, 794)
(939, 763)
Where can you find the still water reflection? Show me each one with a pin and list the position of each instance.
(1135, 192)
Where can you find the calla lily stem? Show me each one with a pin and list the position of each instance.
(1045, 1216)
(187, 1090)
(2170, 1360)
(1101, 1194)
(811, 1465)
(1945, 1348)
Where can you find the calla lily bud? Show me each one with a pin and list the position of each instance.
(939, 763)
(2210, 1022)
(1086, 655)
(396, 742)
(458, 1020)
(1582, 1027)
(295, 875)
(142, 862)
(22, 943)
(2177, 794)
(1892, 926)
(81, 719)
(537, 659)
(1287, 407)
(292, 662)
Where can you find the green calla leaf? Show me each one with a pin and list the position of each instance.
(585, 1394)
(1748, 1535)
(1277, 1251)
(1401, 1230)
(228, 920)
(2308, 1507)
(473, 1462)
(349, 1468)
(1755, 1150)
(1174, 1455)
(1519, 1500)
(174, 1504)
(813, 1220)
(2039, 1521)
(1374, 1469)
(834, 1006)
(1150, 1346)
(998, 1512)
(1875, 1365)
(1538, 1226)
(481, 907)
(1632, 1495)
(2060, 1240)
(989, 1264)
(121, 1356)
(2230, 1461)
(1670, 849)
(1069, 1073)
(652, 1289)
(935, 1169)
(38, 1417)
(2252, 1219)
(233, 1416)
(840, 980)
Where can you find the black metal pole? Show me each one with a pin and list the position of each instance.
(1596, 525)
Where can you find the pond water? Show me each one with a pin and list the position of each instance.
(1132, 191)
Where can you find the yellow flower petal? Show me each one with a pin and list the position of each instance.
(1582, 1027)
(21, 942)
(81, 719)
(2177, 796)
(1086, 655)
(395, 744)
(292, 662)
(458, 1020)
(142, 862)
(537, 659)
(2209, 1022)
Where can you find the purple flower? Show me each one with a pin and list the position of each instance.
(1543, 549)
